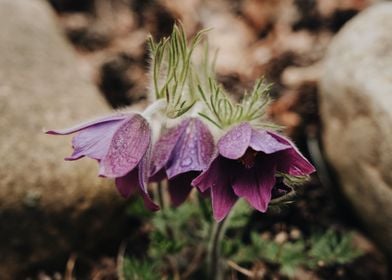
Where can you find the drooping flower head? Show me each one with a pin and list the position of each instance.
(180, 155)
(122, 146)
(246, 165)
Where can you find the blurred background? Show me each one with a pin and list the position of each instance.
(63, 61)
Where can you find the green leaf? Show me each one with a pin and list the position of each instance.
(333, 248)
(134, 269)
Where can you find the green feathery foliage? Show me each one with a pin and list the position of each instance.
(172, 70)
(182, 83)
(173, 226)
(223, 112)
(134, 269)
(332, 248)
(179, 233)
(329, 249)
(175, 231)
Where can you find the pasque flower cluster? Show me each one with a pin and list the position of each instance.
(204, 140)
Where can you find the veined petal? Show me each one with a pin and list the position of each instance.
(193, 150)
(210, 176)
(114, 118)
(144, 169)
(234, 143)
(262, 141)
(129, 185)
(180, 187)
(94, 141)
(129, 144)
(159, 176)
(164, 146)
(291, 161)
(149, 203)
(223, 198)
(217, 179)
(255, 184)
(143, 174)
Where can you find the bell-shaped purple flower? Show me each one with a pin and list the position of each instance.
(180, 155)
(246, 166)
(122, 146)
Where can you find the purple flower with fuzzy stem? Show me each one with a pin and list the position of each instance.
(122, 146)
(246, 166)
(180, 155)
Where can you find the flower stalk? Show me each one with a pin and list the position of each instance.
(159, 192)
(214, 257)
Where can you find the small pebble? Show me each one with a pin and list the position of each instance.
(266, 235)
(295, 234)
(340, 272)
(321, 263)
(57, 276)
(281, 237)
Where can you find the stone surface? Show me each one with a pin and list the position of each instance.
(230, 36)
(356, 108)
(48, 207)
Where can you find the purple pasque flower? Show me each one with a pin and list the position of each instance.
(246, 165)
(180, 155)
(122, 146)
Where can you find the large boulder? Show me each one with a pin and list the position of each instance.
(356, 109)
(48, 207)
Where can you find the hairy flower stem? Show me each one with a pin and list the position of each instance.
(215, 269)
(161, 200)
(154, 107)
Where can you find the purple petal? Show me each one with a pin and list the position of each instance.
(88, 124)
(129, 184)
(291, 161)
(180, 187)
(94, 137)
(193, 150)
(262, 141)
(255, 184)
(210, 176)
(164, 146)
(143, 172)
(94, 141)
(217, 178)
(149, 203)
(234, 143)
(144, 169)
(223, 199)
(159, 176)
(129, 144)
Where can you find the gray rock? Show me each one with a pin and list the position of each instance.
(48, 207)
(356, 109)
